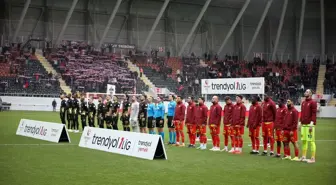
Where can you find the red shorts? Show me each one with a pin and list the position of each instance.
(202, 129)
(287, 137)
(237, 131)
(178, 125)
(267, 129)
(254, 132)
(227, 130)
(214, 129)
(198, 128)
(278, 135)
(191, 128)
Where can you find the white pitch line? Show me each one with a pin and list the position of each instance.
(15, 144)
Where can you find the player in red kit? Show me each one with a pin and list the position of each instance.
(254, 123)
(201, 118)
(190, 122)
(279, 124)
(290, 131)
(269, 112)
(238, 123)
(228, 110)
(178, 121)
(214, 123)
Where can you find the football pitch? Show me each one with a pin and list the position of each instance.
(27, 161)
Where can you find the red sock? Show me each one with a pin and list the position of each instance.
(226, 139)
(232, 141)
(182, 136)
(236, 142)
(241, 142)
(190, 139)
(213, 140)
(205, 139)
(265, 139)
(177, 136)
(193, 139)
(296, 151)
(272, 143)
(253, 142)
(257, 143)
(287, 150)
(278, 147)
(218, 140)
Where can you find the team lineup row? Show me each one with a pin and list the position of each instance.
(278, 125)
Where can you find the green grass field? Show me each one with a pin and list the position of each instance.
(71, 165)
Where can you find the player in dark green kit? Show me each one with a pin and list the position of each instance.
(92, 112)
(125, 113)
(101, 113)
(83, 112)
(69, 113)
(143, 114)
(75, 111)
(109, 112)
(115, 109)
(63, 109)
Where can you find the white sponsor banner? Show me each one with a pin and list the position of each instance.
(233, 86)
(133, 144)
(111, 89)
(47, 131)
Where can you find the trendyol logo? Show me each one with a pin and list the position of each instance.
(88, 132)
(118, 143)
(35, 130)
(21, 126)
(228, 86)
(206, 85)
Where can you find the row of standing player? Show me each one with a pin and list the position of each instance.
(107, 113)
(277, 124)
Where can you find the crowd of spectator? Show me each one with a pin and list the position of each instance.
(87, 70)
(21, 72)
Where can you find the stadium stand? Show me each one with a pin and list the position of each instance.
(90, 71)
(22, 74)
(156, 70)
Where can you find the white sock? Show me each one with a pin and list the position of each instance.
(254, 151)
(226, 147)
(265, 151)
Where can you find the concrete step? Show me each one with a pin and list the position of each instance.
(48, 67)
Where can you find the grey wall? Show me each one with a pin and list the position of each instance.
(176, 23)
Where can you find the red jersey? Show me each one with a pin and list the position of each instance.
(308, 111)
(179, 112)
(228, 110)
(238, 115)
(269, 111)
(201, 114)
(279, 118)
(255, 117)
(191, 113)
(291, 119)
(215, 114)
